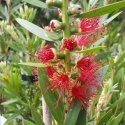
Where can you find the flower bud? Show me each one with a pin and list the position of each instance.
(10, 29)
(26, 10)
(30, 12)
(21, 11)
(56, 25)
(69, 43)
(3, 64)
(3, 25)
(75, 9)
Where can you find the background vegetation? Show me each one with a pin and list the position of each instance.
(20, 94)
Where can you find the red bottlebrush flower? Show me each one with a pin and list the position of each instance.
(87, 63)
(60, 81)
(81, 39)
(82, 94)
(86, 39)
(69, 43)
(45, 54)
(50, 71)
(90, 78)
(89, 24)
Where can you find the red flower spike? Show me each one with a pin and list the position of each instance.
(80, 92)
(50, 71)
(81, 39)
(89, 24)
(60, 81)
(45, 54)
(89, 78)
(87, 63)
(69, 43)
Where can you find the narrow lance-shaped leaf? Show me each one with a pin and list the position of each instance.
(91, 49)
(105, 117)
(9, 102)
(36, 117)
(110, 19)
(34, 29)
(81, 117)
(73, 114)
(28, 122)
(118, 118)
(34, 64)
(36, 3)
(103, 10)
(12, 117)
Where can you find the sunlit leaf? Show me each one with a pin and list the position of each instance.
(103, 10)
(34, 29)
(105, 117)
(36, 117)
(73, 114)
(28, 122)
(91, 49)
(36, 3)
(9, 102)
(12, 117)
(34, 64)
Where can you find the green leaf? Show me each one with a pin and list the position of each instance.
(36, 117)
(34, 29)
(28, 122)
(91, 49)
(118, 101)
(103, 10)
(34, 64)
(73, 114)
(120, 58)
(21, 35)
(2, 55)
(9, 102)
(118, 119)
(110, 19)
(81, 117)
(16, 8)
(54, 35)
(12, 117)
(50, 97)
(36, 3)
(105, 117)
(111, 121)
(119, 67)
(3, 11)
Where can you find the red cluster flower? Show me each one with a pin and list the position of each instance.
(45, 54)
(89, 24)
(82, 82)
